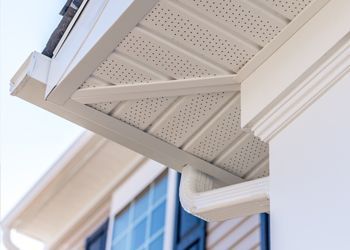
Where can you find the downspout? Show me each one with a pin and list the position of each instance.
(207, 198)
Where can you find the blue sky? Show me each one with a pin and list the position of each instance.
(31, 139)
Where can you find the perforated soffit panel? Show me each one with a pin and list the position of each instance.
(181, 39)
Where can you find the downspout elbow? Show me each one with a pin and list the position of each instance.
(206, 197)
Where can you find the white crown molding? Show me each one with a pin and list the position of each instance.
(309, 89)
(298, 73)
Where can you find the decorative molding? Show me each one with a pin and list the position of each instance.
(309, 87)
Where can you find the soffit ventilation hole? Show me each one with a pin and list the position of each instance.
(241, 18)
(264, 173)
(193, 111)
(117, 72)
(140, 113)
(219, 136)
(288, 8)
(246, 156)
(162, 58)
(104, 107)
(190, 33)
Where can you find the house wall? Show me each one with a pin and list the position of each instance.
(309, 174)
(239, 234)
(76, 240)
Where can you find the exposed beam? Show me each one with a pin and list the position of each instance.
(181, 87)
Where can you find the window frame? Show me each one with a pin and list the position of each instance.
(127, 191)
(102, 230)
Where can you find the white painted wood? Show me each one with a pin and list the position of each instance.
(262, 88)
(34, 68)
(328, 70)
(309, 180)
(74, 42)
(183, 87)
(69, 28)
(84, 51)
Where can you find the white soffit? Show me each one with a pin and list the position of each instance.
(186, 42)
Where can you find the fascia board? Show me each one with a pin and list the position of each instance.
(101, 26)
(263, 89)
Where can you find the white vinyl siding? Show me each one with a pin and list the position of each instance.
(238, 234)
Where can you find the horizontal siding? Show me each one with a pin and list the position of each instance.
(238, 234)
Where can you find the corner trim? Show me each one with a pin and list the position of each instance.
(316, 81)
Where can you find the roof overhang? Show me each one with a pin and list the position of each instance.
(108, 57)
(84, 177)
(142, 74)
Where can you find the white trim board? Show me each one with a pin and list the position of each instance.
(144, 176)
(262, 92)
(182, 87)
(100, 38)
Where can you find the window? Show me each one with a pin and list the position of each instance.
(265, 231)
(97, 241)
(190, 231)
(141, 224)
(146, 213)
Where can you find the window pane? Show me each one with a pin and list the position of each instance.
(188, 222)
(141, 206)
(120, 245)
(96, 245)
(121, 224)
(136, 227)
(158, 216)
(138, 234)
(157, 244)
(160, 190)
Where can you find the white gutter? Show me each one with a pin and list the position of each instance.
(6, 238)
(35, 69)
(29, 71)
(204, 196)
(9, 222)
